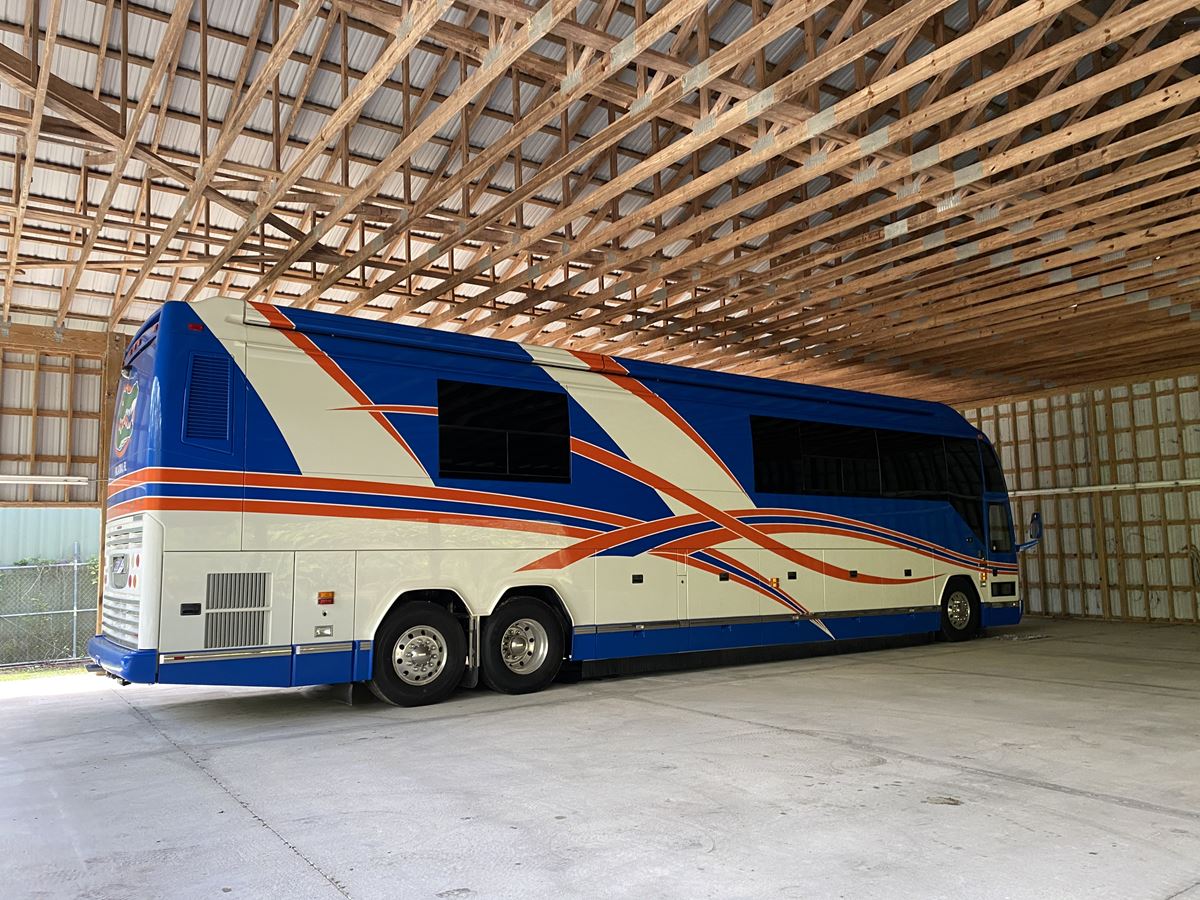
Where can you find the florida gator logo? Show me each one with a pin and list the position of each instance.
(126, 407)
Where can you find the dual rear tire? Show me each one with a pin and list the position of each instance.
(421, 651)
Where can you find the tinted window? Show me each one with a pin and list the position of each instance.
(993, 475)
(792, 457)
(1000, 528)
(963, 475)
(501, 432)
(971, 511)
(911, 465)
(776, 444)
(839, 459)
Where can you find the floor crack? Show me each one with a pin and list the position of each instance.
(867, 746)
(233, 795)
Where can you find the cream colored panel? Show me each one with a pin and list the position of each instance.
(645, 435)
(708, 597)
(658, 598)
(185, 580)
(187, 530)
(852, 594)
(271, 531)
(480, 577)
(308, 404)
(321, 572)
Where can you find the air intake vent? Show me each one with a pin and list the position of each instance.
(236, 609)
(246, 628)
(237, 590)
(207, 415)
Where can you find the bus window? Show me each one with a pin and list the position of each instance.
(962, 467)
(509, 434)
(839, 459)
(776, 444)
(1000, 528)
(794, 457)
(912, 465)
(993, 474)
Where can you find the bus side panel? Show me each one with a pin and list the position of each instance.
(452, 558)
(226, 616)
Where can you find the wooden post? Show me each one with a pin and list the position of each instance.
(110, 380)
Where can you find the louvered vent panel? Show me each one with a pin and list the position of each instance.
(237, 590)
(239, 628)
(236, 609)
(207, 414)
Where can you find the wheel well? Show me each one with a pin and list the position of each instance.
(446, 598)
(961, 581)
(550, 597)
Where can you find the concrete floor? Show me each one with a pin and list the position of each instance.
(1057, 760)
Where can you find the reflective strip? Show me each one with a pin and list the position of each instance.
(324, 648)
(750, 620)
(224, 654)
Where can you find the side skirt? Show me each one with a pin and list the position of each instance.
(739, 656)
(615, 641)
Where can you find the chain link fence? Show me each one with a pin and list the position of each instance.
(47, 610)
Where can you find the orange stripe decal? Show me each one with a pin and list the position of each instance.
(278, 319)
(330, 510)
(619, 375)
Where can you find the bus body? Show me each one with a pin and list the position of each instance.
(287, 487)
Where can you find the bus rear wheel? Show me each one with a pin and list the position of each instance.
(960, 610)
(420, 655)
(521, 649)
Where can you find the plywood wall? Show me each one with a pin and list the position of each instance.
(1115, 471)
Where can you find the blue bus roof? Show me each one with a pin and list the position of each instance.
(940, 417)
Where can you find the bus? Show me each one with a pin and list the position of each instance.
(300, 498)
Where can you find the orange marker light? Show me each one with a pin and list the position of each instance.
(325, 598)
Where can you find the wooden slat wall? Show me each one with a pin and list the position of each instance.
(55, 405)
(1115, 471)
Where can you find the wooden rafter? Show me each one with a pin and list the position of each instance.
(864, 192)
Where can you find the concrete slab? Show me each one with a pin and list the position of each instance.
(1057, 760)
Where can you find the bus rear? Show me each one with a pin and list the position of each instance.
(132, 553)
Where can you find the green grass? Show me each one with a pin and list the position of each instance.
(22, 673)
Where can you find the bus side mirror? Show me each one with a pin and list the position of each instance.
(1035, 533)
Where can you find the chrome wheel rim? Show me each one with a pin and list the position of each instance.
(524, 645)
(958, 610)
(419, 655)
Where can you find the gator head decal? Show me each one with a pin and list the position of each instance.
(126, 408)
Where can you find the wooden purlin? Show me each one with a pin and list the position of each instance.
(874, 248)
(960, 143)
(695, 214)
(229, 131)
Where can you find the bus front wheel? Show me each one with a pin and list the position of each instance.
(960, 610)
(420, 655)
(521, 649)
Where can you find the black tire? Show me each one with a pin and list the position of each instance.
(424, 630)
(534, 649)
(954, 627)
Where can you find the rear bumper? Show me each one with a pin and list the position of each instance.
(131, 665)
